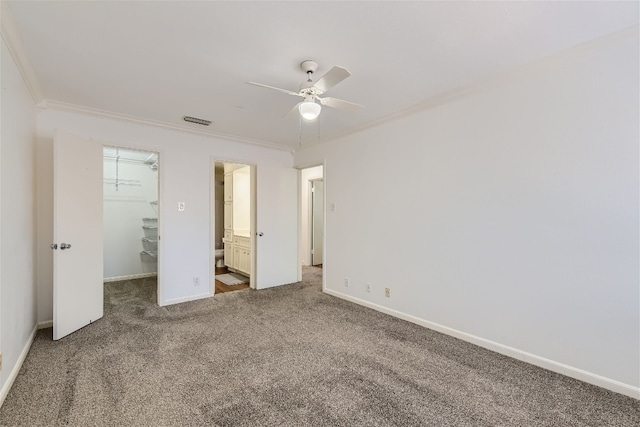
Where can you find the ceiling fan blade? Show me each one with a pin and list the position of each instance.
(331, 78)
(295, 111)
(340, 104)
(288, 92)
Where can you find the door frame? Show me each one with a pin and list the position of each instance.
(159, 152)
(213, 159)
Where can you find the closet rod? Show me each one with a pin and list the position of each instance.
(127, 159)
(133, 182)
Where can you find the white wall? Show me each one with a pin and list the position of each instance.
(124, 209)
(509, 214)
(306, 175)
(17, 220)
(185, 175)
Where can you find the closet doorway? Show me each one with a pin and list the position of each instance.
(130, 222)
(232, 228)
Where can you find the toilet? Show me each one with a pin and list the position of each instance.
(219, 257)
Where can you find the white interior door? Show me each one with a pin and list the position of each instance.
(317, 221)
(276, 226)
(77, 221)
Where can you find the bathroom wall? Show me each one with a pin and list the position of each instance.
(124, 209)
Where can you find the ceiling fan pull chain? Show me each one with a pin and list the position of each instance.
(117, 171)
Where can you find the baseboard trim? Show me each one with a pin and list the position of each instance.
(16, 368)
(129, 277)
(184, 299)
(560, 368)
(45, 325)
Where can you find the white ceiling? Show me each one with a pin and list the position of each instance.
(163, 60)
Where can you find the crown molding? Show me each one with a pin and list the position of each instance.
(445, 97)
(428, 104)
(11, 37)
(50, 104)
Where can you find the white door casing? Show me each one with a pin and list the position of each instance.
(276, 226)
(77, 221)
(317, 221)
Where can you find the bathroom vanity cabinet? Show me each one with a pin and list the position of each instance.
(228, 217)
(242, 254)
(228, 187)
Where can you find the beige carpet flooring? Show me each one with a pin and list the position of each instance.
(288, 356)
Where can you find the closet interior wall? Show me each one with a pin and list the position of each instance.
(130, 212)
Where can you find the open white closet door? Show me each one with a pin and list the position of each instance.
(277, 226)
(77, 234)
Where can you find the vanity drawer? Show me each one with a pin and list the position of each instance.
(241, 241)
(228, 236)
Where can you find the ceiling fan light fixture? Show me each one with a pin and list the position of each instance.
(309, 110)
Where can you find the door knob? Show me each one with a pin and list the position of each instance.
(261, 234)
(64, 246)
(54, 246)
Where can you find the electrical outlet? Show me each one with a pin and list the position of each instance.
(196, 281)
(367, 287)
(387, 292)
(346, 282)
(181, 206)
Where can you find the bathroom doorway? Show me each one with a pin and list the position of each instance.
(130, 216)
(232, 228)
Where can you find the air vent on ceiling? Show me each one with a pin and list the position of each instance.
(196, 120)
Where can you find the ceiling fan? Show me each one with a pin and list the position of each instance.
(310, 108)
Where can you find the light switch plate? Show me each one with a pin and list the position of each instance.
(180, 206)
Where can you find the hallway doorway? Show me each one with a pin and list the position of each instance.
(312, 218)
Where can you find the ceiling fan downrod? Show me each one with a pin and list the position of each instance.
(309, 67)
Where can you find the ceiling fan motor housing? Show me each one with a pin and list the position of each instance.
(306, 85)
